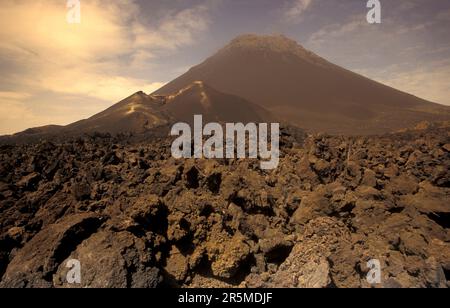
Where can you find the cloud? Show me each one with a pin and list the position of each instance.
(14, 111)
(19, 114)
(296, 9)
(356, 29)
(12, 114)
(103, 87)
(394, 41)
(444, 15)
(401, 52)
(173, 31)
(13, 96)
(103, 59)
(430, 83)
(337, 30)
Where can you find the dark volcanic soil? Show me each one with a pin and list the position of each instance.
(135, 217)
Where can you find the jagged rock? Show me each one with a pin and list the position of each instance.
(353, 171)
(29, 182)
(434, 275)
(311, 207)
(392, 171)
(403, 185)
(81, 191)
(145, 209)
(136, 217)
(413, 244)
(178, 227)
(308, 264)
(16, 234)
(429, 199)
(111, 260)
(37, 261)
(228, 256)
(111, 158)
(177, 265)
(313, 274)
(369, 178)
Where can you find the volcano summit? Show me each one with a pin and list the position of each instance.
(259, 79)
(304, 89)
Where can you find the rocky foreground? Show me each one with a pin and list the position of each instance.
(135, 217)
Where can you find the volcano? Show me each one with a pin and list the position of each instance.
(137, 113)
(304, 89)
(141, 113)
(213, 105)
(264, 79)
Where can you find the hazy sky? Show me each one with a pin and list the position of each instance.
(53, 72)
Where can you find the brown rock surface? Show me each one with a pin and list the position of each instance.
(135, 217)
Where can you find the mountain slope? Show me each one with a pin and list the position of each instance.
(141, 113)
(199, 98)
(137, 113)
(307, 90)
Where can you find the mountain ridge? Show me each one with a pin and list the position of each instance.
(141, 113)
(304, 89)
(265, 78)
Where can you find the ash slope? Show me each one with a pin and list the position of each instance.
(135, 217)
(153, 114)
(310, 92)
(140, 112)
